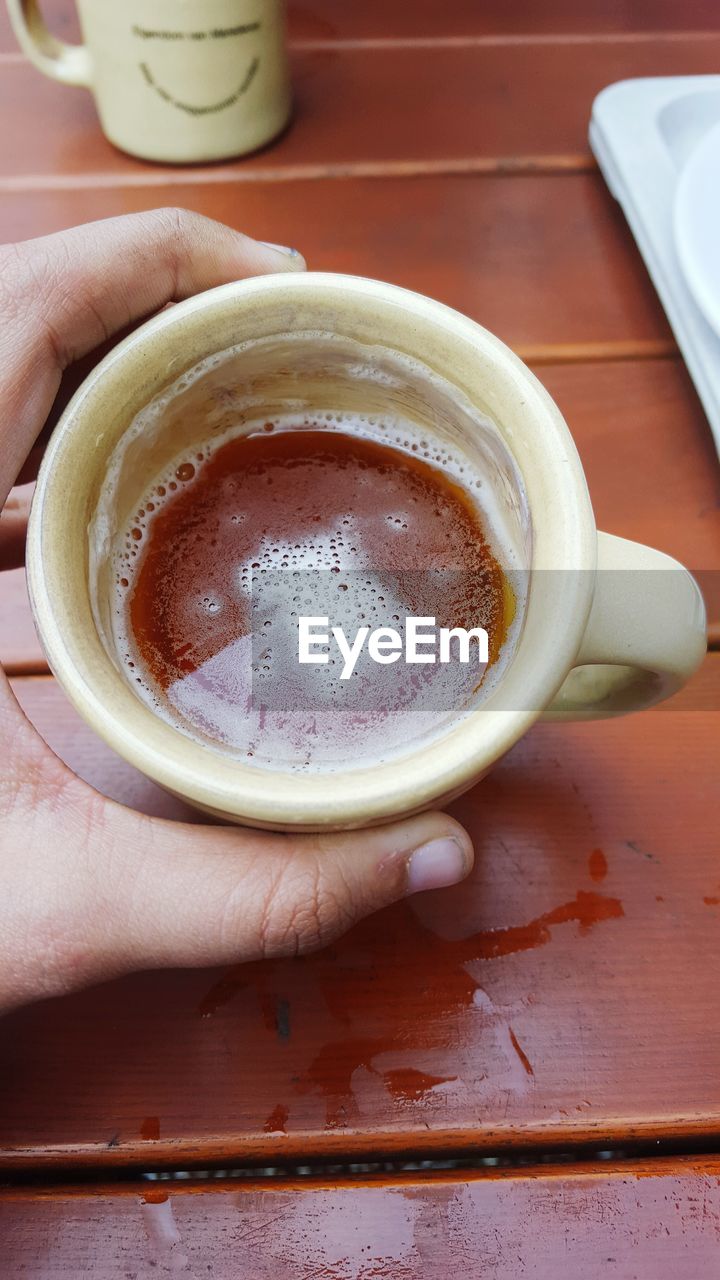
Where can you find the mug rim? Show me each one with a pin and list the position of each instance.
(564, 537)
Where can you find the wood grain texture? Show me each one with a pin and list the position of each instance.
(336, 20)
(649, 460)
(566, 994)
(427, 19)
(648, 454)
(547, 263)
(512, 106)
(656, 1223)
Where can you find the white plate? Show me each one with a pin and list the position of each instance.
(643, 133)
(697, 225)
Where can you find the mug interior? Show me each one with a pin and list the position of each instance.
(332, 382)
(326, 345)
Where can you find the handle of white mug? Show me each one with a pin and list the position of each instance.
(644, 638)
(69, 63)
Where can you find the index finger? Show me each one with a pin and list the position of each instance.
(91, 281)
(63, 295)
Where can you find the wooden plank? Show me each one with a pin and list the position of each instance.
(20, 650)
(659, 1221)
(649, 459)
(330, 21)
(547, 263)
(566, 994)
(426, 19)
(518, 105)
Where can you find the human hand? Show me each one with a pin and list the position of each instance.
(89, 889)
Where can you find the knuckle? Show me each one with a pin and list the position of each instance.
(176, 224)
(179, 234)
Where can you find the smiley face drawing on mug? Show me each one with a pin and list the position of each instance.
(174, 81)
(201, 39)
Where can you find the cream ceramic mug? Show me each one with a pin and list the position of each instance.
(605, 625)
(174, 80)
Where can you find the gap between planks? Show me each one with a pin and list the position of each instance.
(98, 1184)
(65, 1162)
(489, 41)
(503, 166)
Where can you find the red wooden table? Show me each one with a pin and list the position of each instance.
(566, 1002)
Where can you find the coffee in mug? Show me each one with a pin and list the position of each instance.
(244, 539)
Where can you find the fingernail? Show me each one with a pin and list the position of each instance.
(435, 865)
(281, 248)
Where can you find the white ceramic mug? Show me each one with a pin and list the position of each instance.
(174, 80)
(608, 625)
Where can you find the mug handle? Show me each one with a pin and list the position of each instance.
(69, 63)
(643, 639)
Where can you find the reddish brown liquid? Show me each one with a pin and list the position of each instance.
(302, 500)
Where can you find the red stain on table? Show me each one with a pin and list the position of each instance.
(711, 902)
(441, 954)
(331, 1072)
(434, 960)
(521, 1052)
(223, 991)
(277, 1120)
(442, 985)
(597, 865)
(150, 1129)
(587, 909)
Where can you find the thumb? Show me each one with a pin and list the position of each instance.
(189, 896)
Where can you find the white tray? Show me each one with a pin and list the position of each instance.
(642, 132)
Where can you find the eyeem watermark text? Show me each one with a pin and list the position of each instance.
(423, 641)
